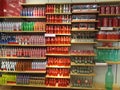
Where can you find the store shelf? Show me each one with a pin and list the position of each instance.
(19, 17)
(22, 45)
(83, 74)
(108, 47)
(109, 14)
(10, 17)
(24, 72)
(62, 45)
(22, 31)
(83, 42)
(59, 23)
(74, 64)
(92, 55)
(108, 2)
(83, 88)
(32, 4)
(63, 34)
(58, 66)
(57, 3)
(108, 62)
(43, 86)
(106, 40)
(58, 55)
(112, 62)
(58, 87)
(39, 86)
(42, 58)
(85, 12)
(22, 85)
(67, 77)
(84, 21)
(78, 30)
(58, 13)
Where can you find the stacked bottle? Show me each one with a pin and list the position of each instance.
(33, 11)
(63, 29)
(24, 79)
(22, 26)
(58, 18)
(23, 65)
(22, 52)
(22, 39)
(58, 40)
(58, 8)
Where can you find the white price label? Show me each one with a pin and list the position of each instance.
(106, 28)
(101, 64)
(50, 35)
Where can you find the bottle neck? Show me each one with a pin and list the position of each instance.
(110, 67)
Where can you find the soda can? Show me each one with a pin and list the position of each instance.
(107, 9)
(117, 9)
(112, 9)
(102, 9)
(115, 22)
(110, 22)
(105, 22)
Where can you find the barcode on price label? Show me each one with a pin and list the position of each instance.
(106, 28)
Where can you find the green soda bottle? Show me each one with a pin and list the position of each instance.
(109, 78)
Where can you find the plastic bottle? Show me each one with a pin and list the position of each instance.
(109, 78)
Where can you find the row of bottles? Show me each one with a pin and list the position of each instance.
(112, 35)
(108, 55)
(22, 39)
(58, 8)
(109, 9)
(108, 44)
(58, 72)
(23, 65)
(58, 50)
(78, 81)
(62, 29)
(33, 11)
(27, 79)
(58, 40)
(78, 8)
(83, 37)
(81, 49)
(22, 26)
(109, 22)
(81, 70)
(22, 52)
(33, 26)
(82, 60)
(84, 17)
(83, 26)
(58, 61)
(57, 82)
(58, 18)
